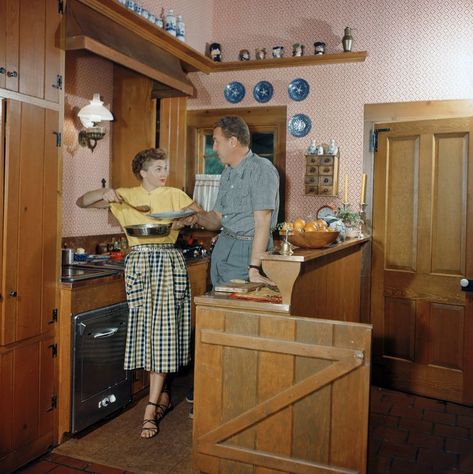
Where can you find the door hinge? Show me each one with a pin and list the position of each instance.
(58, 84)
(58, 138)
(53, 348)
(374, 138)
(53, 316)
(60, 7)
(53, 402)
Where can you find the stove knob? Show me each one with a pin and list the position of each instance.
(112, 398)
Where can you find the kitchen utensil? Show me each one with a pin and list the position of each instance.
(148, 230)
(312, 240)
(141, 208)
(67, 256)
(173, 214)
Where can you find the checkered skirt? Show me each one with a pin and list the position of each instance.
(159, 299)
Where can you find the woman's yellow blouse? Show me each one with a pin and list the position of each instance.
(161, 199)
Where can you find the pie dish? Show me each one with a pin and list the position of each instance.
(263, 91)
(234, 92)
(299, 125)
(298, 89)
(172, 214)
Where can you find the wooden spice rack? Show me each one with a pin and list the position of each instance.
(321, 175)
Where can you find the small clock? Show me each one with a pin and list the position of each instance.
(325, 211)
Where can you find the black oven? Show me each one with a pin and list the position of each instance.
(100, 385)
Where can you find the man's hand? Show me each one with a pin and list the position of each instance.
(255, 277)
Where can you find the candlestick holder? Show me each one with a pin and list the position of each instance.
(362, 222)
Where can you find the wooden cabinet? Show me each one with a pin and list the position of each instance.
(29, 242)
(321, 175)
(30, 58)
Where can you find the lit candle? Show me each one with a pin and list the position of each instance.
(363, 189)
(345, 198)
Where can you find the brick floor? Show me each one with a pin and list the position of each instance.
(408, 434)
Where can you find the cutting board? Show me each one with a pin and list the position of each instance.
(233, 287)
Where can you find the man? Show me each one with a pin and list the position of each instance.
(246, 208)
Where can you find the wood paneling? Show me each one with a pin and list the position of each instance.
(172, 138)
(399, 328)
(135, 123)
(300, 414)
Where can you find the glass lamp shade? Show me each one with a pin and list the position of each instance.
(94, 113)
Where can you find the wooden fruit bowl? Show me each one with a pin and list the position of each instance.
(312, 240)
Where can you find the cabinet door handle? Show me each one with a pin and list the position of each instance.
(12, 293)
(12, 74)
(2, 70)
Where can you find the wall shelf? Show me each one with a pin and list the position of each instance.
(312, 60)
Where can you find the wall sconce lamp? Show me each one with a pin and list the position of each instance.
(90, 116)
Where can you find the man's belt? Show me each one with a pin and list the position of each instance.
(232, 234)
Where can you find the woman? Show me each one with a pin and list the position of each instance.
(157, 283)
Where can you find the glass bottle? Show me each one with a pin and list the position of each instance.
(170, 22)
(180, 29)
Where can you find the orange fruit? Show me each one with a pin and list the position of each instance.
(311, 226)
(299, 224)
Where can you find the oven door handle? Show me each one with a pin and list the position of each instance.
(105, 334)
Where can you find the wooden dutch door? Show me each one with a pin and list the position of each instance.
(280, 393)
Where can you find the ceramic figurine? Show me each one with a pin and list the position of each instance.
(180, 29)
(320, 150)
(332, 148)
(260, 53)
(319, 47)
(215, 52)
(298, 49)
(312, 148)
(170, 23)
(278, 51)
(244, 55)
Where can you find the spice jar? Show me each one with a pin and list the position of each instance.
(215, 52)
(319, 47)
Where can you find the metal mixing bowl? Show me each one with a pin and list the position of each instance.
(148, 230)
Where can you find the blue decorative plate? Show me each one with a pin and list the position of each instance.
(234, 92)
(298, 89)
(299, 125)
(263, 91)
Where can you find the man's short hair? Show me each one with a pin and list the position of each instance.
(143, 159)
(234, 126)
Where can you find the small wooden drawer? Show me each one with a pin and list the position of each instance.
(311, 190)
(326, 190)
(311, 180)
(312, 160)
(326, 160)
(312, 170)
(325, 181)
(326, 170)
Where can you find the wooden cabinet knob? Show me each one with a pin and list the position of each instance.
(12, 293)
(12, 74)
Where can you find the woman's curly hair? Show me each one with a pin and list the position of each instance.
(142, 160)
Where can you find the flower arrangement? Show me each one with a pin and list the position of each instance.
(347, 215)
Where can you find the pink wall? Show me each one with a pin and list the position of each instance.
(417, 50)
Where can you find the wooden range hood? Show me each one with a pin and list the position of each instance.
(107, 29)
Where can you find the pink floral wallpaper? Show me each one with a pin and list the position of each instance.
(417, 50)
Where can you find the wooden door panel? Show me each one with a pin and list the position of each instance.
(31, 50)
(401, 222)
(12, 44)
(52, 52)
(6, 402)
(3, 42)
(399, 328)
(449, 204)
(46, 389)
(419, 312)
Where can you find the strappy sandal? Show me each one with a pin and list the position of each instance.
(154, 430)
(162, 410)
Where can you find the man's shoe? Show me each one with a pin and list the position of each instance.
(190, 396)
